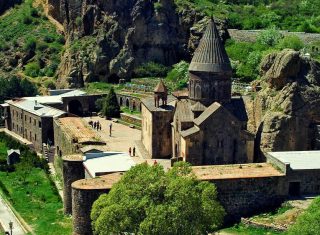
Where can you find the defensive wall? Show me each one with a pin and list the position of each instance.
(251, 35)
(129, 101)
(72, 171)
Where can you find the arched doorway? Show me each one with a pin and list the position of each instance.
(75, 107)
(121, 101)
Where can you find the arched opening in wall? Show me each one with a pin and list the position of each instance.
(114, 78)
(198, 92)
(75, 107)
(120, 101)
(127, 103)
(133, 105)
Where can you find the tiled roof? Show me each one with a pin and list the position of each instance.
(210, 56)
(161, 88)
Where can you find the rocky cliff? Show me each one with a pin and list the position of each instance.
(5, 4)
(285, 113)
(107, 39)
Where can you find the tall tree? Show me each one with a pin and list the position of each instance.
(147, 200)
(110, 105)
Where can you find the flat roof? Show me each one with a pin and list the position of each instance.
(35, 108)
(104, 182)
(236, 171)
(107, 162)
(299, 160)
(79, 130)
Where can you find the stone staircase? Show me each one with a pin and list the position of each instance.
(48, 153)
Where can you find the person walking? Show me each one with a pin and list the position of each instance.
(110, 129)
(130, 151)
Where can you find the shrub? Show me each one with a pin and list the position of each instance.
(34, 12)
(151, 69)
(179, 75)
(32, 69)
(78, 21)
(27, 19)
(269, 37)
(292, 42)
(30, 44)
(48, 39)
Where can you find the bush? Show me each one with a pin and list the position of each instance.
(179, 75)
(292, 42)
(32, 69)
(27, 19)
(269, 37)
(30, 44)
(151, 69)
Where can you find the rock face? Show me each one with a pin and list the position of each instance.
(286, 112)
(108, 39)
(5, 4)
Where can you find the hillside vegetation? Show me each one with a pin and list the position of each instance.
(292, 15)
(29, 43)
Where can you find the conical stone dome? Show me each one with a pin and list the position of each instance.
(210, 56)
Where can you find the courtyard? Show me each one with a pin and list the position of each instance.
(122, 137)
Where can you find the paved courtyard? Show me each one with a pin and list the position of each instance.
(122, 137)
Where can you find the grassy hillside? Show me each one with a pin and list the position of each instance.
(29, 43)
(293, 15)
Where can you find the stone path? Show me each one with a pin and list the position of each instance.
(6, 216)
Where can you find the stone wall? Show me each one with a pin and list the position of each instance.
(133, 103)
(251, 35)
(82, 201)
(246, 196)
(131, 119)
(28, 126)
(72, 170)
(63, 142)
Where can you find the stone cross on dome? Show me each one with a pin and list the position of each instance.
(160, 93)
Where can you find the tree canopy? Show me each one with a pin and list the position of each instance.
(109, 105)
(16, 87)
(148, 200)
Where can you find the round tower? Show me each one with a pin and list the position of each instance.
(84, 193)
(73, 170)
(210, 70)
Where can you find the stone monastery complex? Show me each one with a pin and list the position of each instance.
(205, 126)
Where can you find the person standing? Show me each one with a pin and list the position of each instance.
(134, 152)
(130, 151)
(110, 129)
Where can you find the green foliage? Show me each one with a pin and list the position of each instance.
(15, 87)
(147, 200)
(269, 37)
(157, 6)
(109, 105)
(22, 31)
(292, 41)
(308, 223)
(32, 69)
(151, 69)
(179, 75)
(32, 192)
(292, 15)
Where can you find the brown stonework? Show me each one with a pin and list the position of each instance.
(84, 194)
(72, 170)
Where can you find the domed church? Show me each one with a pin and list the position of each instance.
(206, 126)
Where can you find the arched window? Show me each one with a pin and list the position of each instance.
(198, 91)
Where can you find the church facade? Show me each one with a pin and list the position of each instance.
(208, 125)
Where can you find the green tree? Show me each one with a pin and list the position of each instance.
(179, 75)
(308, 223)
(147, 200)
(110, 105)
(292, 42)
(269, 37)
